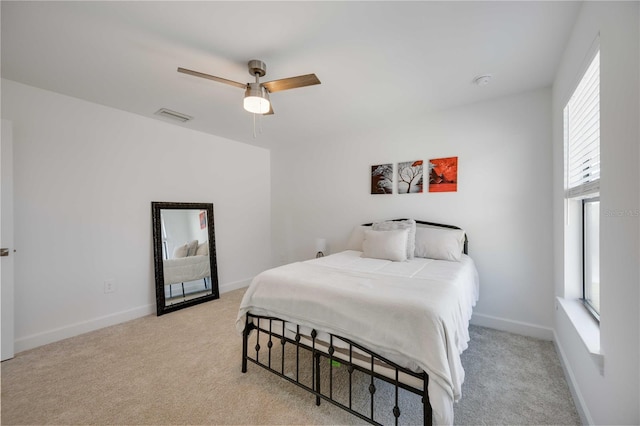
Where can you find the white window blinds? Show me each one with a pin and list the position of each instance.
(582, 135)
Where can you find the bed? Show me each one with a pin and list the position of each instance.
(182, 270)
(397, 309)
(185, 269)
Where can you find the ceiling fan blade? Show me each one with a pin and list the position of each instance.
(291, 83)
(213, 77)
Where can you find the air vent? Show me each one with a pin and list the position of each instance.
(164, 112)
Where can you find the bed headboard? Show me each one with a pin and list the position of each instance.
(465, 248)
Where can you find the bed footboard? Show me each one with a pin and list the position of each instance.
(311, 362)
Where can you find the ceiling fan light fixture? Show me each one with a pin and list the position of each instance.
(256, 99)
(256, 95)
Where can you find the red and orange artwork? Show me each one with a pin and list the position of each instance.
(443, 174)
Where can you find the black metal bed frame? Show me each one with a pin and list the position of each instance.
(318, 353)
(280, 336)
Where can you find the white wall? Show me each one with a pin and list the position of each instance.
(611, 397)
(85, 176)
(503, 199)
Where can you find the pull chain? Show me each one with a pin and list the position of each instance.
(259, 124)
(254, 126)
(257, 75)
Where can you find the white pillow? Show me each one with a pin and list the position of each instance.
(389, 245)
(181, 251)
(356, 238)
(203, 249)
(192, 247)
(439, 243)
(409, 224)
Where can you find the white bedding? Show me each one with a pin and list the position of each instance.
(185, 269)
(415, 313)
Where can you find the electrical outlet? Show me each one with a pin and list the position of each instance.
(109, 286)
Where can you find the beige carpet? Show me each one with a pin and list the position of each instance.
(184, 368)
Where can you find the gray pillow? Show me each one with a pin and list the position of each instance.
(439, 243)
(391, 225)
(181, 251)
(357, 237)
(192, 247)
(203, 249)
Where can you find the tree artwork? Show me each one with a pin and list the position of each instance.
(443, 174)
(382, 179)
(410, 177)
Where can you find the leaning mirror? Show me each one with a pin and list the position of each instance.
(185, 255)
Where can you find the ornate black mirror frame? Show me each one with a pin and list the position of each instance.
(156, 209)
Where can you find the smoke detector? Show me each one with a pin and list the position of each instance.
(482, 80)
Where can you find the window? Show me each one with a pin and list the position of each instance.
(591, 255)
(582, 175)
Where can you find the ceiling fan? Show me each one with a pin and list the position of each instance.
(256, 95)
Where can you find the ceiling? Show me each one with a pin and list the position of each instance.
(377, 61)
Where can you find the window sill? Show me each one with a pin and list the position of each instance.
(586, 326)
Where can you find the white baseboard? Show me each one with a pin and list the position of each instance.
(234, 285)
(517, 327)
(581, 406)
(50, 336)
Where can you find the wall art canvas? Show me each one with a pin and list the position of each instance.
(410, 177)
(443, 174)
(382, 179)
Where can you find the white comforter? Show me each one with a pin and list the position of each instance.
(415, 313)
(185, 269)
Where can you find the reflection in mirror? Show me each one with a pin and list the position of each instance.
(185, 257)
